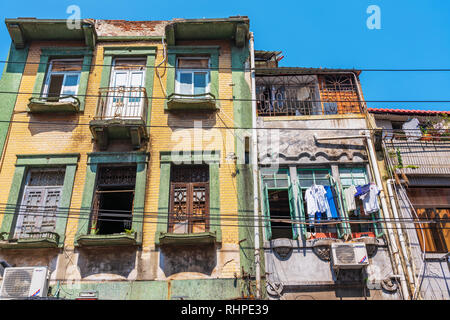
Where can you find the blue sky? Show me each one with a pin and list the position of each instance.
(327, 33)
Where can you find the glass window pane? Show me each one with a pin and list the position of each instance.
(185, 83)
(70, 85)
(199, 82)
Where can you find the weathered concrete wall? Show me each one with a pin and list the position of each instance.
(299, 146)
(305, 271)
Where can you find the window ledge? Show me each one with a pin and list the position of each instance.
(116, 239)
(432, 256)
(42, 104)
(39, 240)
(205, 101)
(166, 238)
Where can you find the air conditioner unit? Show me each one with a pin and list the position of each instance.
(349, 255)
(24, 282)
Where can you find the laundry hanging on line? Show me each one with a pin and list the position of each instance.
(320, 199)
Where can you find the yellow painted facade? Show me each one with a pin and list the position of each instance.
(27, 136)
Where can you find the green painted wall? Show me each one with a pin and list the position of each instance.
(196, 289)
(244, 180)
(10, 82)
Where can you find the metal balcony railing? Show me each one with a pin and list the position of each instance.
(305, 96)
(125, 103)
(426, 155)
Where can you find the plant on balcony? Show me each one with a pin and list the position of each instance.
(399, 166)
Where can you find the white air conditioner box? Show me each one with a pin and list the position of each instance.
(24, 282)
(349, 255)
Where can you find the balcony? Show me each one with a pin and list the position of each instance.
(428, 155)
(54, 104)
(204, 101)
(306, 95)
(30, 240)
(121, 114)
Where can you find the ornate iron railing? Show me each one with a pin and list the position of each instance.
(306, 95)
(122, 103)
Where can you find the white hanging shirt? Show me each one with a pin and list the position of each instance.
(412, 130)
(316, 200)
(370, 201)
(349, 195)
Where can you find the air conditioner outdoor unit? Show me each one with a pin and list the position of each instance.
(349, 255)
(24, 282)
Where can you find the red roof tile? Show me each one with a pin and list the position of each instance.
(407, 111)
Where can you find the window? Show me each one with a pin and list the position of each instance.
(436, 233)
(355, 177)
(189, 199)
(279, 204)
(62, 79)
(193, 76)
(113, 200)
(432, 205)
(308, 178)
(40, 201)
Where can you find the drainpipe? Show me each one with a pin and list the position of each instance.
(401, 235)
(255, 170)
(392, 241)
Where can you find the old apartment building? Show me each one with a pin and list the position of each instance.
(416, 145)
(121, 165)
(315, 143)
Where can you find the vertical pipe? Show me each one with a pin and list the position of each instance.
(255, 170)
(384, 206)
(401, 236)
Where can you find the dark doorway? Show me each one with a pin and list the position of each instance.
(279, 209)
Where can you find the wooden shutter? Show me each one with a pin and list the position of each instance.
(51, 204)
(302, 208)
(29, 213)
(436, 237)
(266, 213)
(293, 210)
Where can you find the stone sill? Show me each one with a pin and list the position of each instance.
(43, 106)
(29, 243)
(105, 240)
(166, 238)
(192, 104)
(429, 256)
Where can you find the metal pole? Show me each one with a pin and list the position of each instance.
(255, 170)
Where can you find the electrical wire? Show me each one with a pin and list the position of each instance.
(66, 123)
(303, 70)
(139, 217)
(248, 100)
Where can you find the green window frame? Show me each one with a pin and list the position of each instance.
(48, 53)
(278, 179)
(357, 176)
(192, 51)
(101, 158)
(167, 159)
(23, 164)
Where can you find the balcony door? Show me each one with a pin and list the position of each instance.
(126, 98)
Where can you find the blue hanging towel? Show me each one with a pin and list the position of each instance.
(362, 189)
(331, 202)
